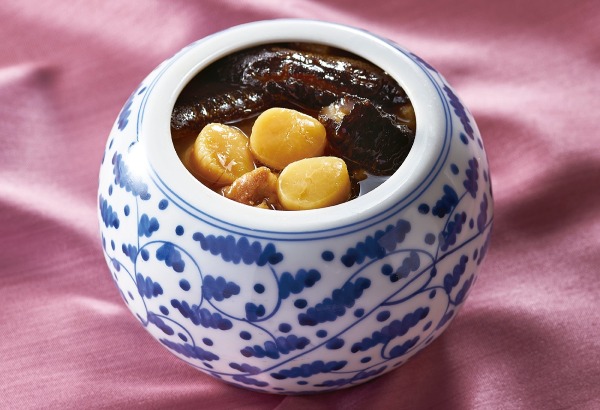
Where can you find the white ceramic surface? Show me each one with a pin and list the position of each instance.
(305, 301)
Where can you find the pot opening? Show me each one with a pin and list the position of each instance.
(387, 194)
(241, 121)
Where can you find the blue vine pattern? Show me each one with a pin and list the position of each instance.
(300, 349)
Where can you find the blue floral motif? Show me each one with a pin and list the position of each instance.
(462, 293)
(335, 344)
(460, 111)
(191, 351)
(309, 369)
(482, 216)
(273, 349)
(395, 329)
(402, 349)
(115, 264)
(472, 173)
(130, 251)
(377, 245)
(445, 319)
(125, 179)
(454, 227)
(446, 203)
(254, 312)
(158, 322)
(201, 316)
(289, 284)
(109, 217)
(331, 308)
(245, 368)
(236, 251)
(410, 264)
(123, 119)
(250, 381)
(171, 256)
(218, 289)
(452, 279)
(147, 287)
(147, 226)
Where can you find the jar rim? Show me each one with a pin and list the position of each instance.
(401, 188)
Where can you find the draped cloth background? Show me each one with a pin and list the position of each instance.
(527, 338)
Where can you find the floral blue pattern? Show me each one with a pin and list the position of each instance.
(195, 288)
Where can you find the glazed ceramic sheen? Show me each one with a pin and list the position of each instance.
(304, 301)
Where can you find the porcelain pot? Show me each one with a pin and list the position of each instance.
(295, 301)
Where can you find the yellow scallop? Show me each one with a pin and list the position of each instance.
(313, 183)
(281, 136)
(220, 155)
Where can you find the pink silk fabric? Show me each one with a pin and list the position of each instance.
(529, 334)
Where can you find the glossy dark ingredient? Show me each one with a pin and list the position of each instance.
(310, 79)
(365, 136)
(223, 104)
(366, 111)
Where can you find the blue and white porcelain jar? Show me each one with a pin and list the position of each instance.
(299, 301)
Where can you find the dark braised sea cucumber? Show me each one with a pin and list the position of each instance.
(310, 79)
(360, 133)
(369, 135)
(222, 103)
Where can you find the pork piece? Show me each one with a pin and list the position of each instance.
(256, 188)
